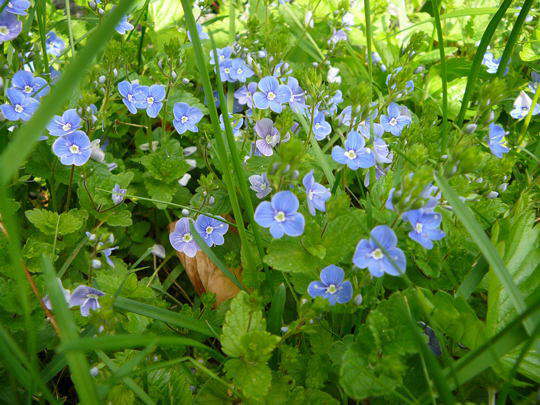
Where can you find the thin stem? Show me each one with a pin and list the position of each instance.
(72, 172)
(435, 5)
(68, 15)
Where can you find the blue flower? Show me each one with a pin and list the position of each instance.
(225, 71)
(47, 301)
(21, 107)
(236, 124)
(321, 128)
(129, 92)
(124, 25)
(87, 298)
(394, 122)
(54, 44)
(338, 36)
(224, 54)
(522, 106)
(490, 62)
(269, 136)
(186, 117)
(280, 215)
(297, 102)
(150, 99)
(10, 27)
(73, 149)
(425, 226)
(271, 94)
(66, 124)
(260, 184)
(200, 31)
(239, 71)
(118, 194)
(18, 7)
(181, 238)
(316, 193)
(35, 87)
(332, 287)
(106, 253)
(211, 230)
(497, 141)
(354, 155)
(334, 101)
(366, 130)
(380, 254)
(244, 94)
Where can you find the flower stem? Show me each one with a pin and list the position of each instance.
(72, 172)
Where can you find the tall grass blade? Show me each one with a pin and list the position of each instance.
(436, 6)
(275, 314)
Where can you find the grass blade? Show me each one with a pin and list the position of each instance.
(435, 6)
(275, 314)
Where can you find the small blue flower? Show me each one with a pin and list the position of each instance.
(211, 230)
(321, 128)
(124, 25)
(224, 54)
(338, 36)
(271, 94)
(181, 238)
(21, 107)
(522, 106)
(332, 287)
(67, 295)
(394, 122)
(18, 7)
(24, 81)
(260, 184)
(334, 101)
(54, 44)
(236, 124)
(10, 27)
(225, 71)
(200, 31)
(244, 94)
(297, 102)
(367, 130)
(66, 124)
(150, 98)
(87, 298)
(280, 215)
(497, 141)
(186, 118)
(106, 253)
(73, 149)
(118, 194)
(316, 193)
(491, 63)
(240, 71)
(425, 226)
(129, 92)
(269, 136)
(355, 154)
(372, 253)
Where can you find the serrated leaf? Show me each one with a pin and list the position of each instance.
(253, 379)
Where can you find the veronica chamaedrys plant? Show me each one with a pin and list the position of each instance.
(87, 298)
(281, 215)
(380, 254)
(497, 140)
(107, 253)
(20, 106)
(355, 155)
(240, 71)
(425, 226)
(47, 301)
(181, 238)
(394, 121)
(260, 184)
(186, 117)
(332, 286)
(316, 194)
(73, 149)
(211, 230)
(17, 7)
(118, 194)
(297, 102)
(269, 136)
(224, 54)
(244, 95)
(124, 25)
(65, 124)
(150, 98)
(271, 94)
(10, 27)
(522, 106)
(54, 44)
(321, 128)
(26, 83)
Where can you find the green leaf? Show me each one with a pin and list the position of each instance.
(253, 379)
(49, 221)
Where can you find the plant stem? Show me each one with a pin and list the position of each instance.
(71, 173)
(68, 15)
(435, 5)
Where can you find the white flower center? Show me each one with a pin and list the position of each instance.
(418, 227)
(280, 216)
(317, 125)
(239, 71)
(184, 119)
(271, 95)
(331, 289)
(269, 139)
(4, 30)
(377, 254)
(310, 195)
(187, 237)
(92, 296)
(74, 149)
(351, 154)
(28, 89)
(19, 108)
(150, 100)
(66, 126)
(227, 70)
(130, 97)
(209, 230)
(393, 121)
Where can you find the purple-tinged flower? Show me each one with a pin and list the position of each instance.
(297, 102)
(66, 124)
(54, 44)
(225, 71)
(87, 298)
(280, 215)
(321, 128)
(18, 7)
(332, 287)
(381, 152)
(355, 154)
(224, 54)
(211, 230)
(338, 36)
(47, 301)
(522, 106)
(186, 117)
(150, 98)
(345, 117)
(490, 62)
(334, 101)
(181, 238)
(240, 71)
(10, 27)
(24, 81)
(106, 253)
(118, 194)
(269, 136)
(73, 148)
(260, 184)
(124, 25)
(282, 69)
(395, 121)
(20, 106)
(129, 92)
(236, 124)
(244, 94)
(271, 94)
(497, 141)
(425, 226)
(380, 254)
(200, 31)
(316, 193)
